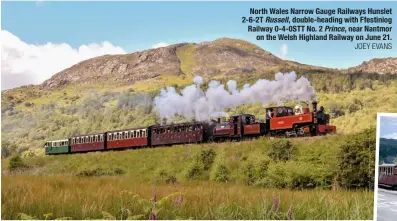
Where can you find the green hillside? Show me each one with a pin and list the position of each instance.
(217, 181)
(30, 116)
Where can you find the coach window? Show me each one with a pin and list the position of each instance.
(138, 133)
(144, 133)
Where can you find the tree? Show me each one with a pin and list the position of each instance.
(357, 160)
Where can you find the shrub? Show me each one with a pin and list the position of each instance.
(248, 173)
(282, 150)
(207, 158)
(171, 179)
(15, 163)
(300, 175)
(220, 173)
(357, 160)
(194, 170)
(276, 176)
(89, 172)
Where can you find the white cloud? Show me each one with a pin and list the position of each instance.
(391, 136)
(283, 50)
(159, 45)
(24, 63)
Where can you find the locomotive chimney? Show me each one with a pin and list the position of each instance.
(219, 120)
(314, 106)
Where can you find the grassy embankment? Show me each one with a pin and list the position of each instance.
(234, 181)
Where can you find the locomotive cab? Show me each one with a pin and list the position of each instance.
(297, 121)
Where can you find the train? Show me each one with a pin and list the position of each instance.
(388, 176)
(281, 121)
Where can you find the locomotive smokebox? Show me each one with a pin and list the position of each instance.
(314, 103)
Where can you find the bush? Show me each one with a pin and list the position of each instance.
(207, 158)
(276, 176)
(100, 172)
(194, 170)
(220, 173)
(248, 173)
(300, 175)
(282, 150)
(7, 149)
(15, 163)
(357, 160)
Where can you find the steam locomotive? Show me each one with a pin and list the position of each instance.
(280, 121)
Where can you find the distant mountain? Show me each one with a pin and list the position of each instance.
(224, 56)
(387, 150)
(377, 65)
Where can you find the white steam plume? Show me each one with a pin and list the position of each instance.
(193, 102)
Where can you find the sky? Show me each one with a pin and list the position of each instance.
(388, 127)
(40, 39)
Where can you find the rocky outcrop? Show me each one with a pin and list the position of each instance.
(377, 65)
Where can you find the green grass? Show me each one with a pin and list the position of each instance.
(241, 182)
(115, 197)
(144, 164)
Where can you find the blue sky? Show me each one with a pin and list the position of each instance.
(388, 127)
(140, 25)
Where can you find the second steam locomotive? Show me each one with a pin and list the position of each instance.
(280, 121)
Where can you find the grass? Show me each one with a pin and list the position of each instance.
(143, 164)
(100, 185)
(101, 197)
